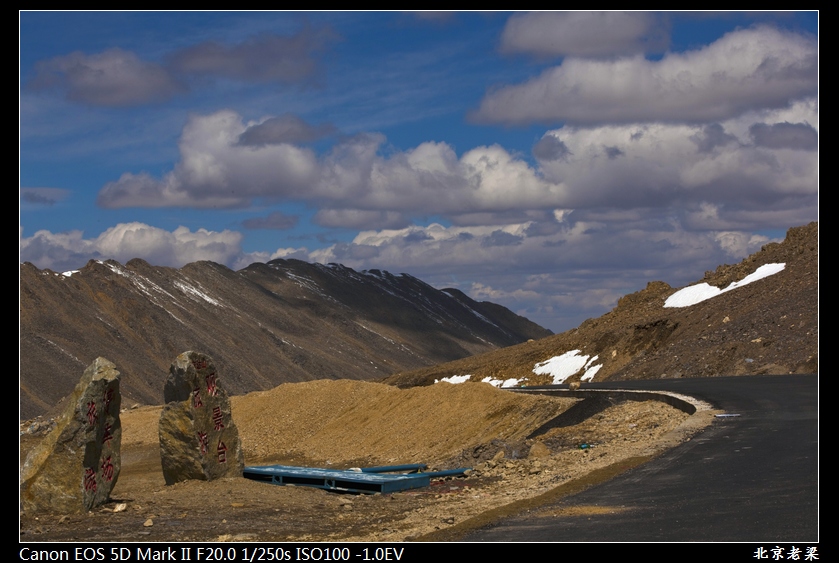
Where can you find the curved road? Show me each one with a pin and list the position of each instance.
(750, 478)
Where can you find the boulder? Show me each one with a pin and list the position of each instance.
(198, 438)
(75, 467)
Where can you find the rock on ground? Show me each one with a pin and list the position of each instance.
(77, 464)
(198, 438)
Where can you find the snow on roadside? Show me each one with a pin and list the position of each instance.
(564, 366)
(512, 382)
(703, 291)
(455, 379)
(559, 367)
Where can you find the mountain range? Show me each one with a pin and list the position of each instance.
(289, 320)
(267, 324)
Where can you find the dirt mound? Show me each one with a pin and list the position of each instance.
(346, 422)
(376, 423)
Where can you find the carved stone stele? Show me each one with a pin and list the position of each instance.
(75, 467)
(198, 438)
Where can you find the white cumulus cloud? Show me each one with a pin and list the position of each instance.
(360, 183)
(720, 168)
(745, 69)
(217, 170)
(122, 242)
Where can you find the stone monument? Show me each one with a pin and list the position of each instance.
(75, 467)
(198, 439)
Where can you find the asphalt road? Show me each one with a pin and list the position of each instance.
(752, 478)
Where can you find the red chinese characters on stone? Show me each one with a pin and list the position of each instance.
(108, 469)
(196, 398)
(211, 384)
(92, 415)
(222, 452)
(89, 480)
(200, 364)
(203, 442)
(218, 416)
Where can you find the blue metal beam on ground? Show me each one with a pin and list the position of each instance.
(411, 467)
(368, 480)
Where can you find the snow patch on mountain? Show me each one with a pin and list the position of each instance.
(700, 292)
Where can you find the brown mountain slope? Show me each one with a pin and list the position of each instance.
(267, 324)
(769, 326)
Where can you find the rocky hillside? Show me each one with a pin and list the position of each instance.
(267, 324)
(769, 326)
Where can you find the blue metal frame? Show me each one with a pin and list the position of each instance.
(367, 480)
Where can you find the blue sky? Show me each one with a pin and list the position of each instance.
(550, 162)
